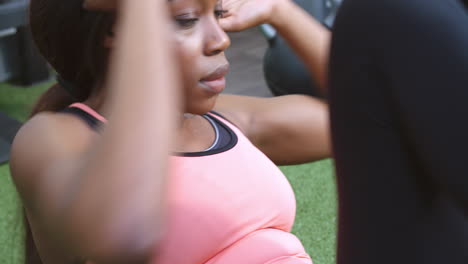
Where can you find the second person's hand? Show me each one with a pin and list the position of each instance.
(243, 14)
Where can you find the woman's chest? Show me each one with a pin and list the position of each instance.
(216, 200)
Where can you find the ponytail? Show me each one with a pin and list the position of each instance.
(54, 99)
(71, 39)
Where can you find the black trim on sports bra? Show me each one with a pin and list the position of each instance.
(224, 131)
(94, 123)
(223, 117)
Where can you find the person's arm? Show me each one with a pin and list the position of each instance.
(308, 38)
(289, 129)
(103, 196)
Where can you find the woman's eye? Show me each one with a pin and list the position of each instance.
(186, 23)
(220, 13)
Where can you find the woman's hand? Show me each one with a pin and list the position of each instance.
(100, 4)
(242, 14)
(306, 36)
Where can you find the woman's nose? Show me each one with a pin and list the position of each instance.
(216, 40)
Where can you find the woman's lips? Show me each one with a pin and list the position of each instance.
(216, 86)
(215, 82)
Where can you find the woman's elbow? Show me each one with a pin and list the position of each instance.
(125, 242)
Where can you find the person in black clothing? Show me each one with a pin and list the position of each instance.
(398, 100)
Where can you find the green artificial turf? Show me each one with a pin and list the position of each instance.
(17, 101)
(11, 225)
(315, 224)
(313, 184)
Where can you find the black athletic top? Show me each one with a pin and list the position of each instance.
(225, 138)
(399, 115)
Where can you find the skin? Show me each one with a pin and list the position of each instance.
(79, 196)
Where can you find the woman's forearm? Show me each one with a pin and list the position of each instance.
(307, 37)
(124, 179)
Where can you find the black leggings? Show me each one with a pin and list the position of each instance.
(399, 112)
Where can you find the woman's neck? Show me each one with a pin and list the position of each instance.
(97, 102)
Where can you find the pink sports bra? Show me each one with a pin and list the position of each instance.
(227, 205)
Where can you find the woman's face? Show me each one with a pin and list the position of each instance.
(201, 42)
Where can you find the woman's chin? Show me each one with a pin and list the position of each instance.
(202, 107)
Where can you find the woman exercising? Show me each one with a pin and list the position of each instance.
(151, 164)
(127, 186)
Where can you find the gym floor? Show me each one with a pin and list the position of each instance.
(246, 58)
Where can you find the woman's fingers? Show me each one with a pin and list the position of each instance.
(231, 24)
(242, 14)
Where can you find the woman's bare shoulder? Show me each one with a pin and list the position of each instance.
(64, 130)
(45, 138)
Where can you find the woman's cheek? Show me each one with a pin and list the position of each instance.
(188, 63)
(190, 49)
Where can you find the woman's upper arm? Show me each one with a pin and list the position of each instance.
(55, 162)
(45, 157)
(44, 163)
(288, 129)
